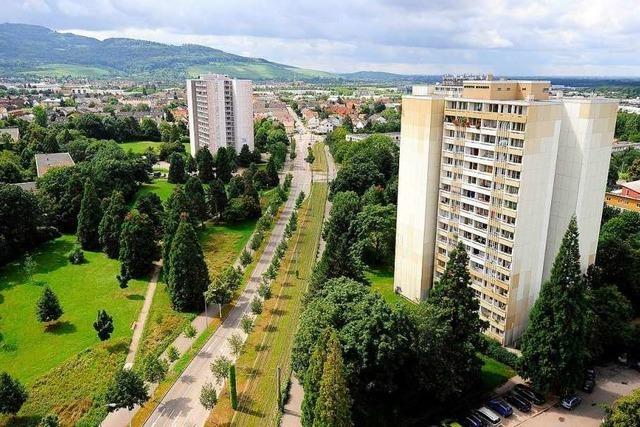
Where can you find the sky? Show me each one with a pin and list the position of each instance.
(504, 37)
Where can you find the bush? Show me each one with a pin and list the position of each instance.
(264, 290)
(245, 258)
(173, 354)
(76, 256)
(208, 397)
(494, 350)
(247, 324)
(189, 331)
(256, 305)
(256, 240)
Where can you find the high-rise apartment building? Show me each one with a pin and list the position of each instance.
(220, 113)
(501, 167)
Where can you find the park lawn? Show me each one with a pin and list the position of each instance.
(140, 147)
(320, 162)
(36, 357)
(381, 279)
(494, 373)
(223, 243)
(161, 187)
(270, 344)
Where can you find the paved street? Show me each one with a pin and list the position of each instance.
(181, 406)
(612, 382)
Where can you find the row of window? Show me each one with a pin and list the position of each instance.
(487, 107)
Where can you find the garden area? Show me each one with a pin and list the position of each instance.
(35, 354)
(140, 147)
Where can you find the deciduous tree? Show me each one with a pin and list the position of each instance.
(138, 248)
(126, 391)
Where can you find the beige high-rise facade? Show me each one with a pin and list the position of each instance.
(502, 168)
(220, 113)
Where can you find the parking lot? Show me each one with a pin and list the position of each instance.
(612, 382)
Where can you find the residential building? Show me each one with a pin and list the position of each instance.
(220, 113)
(502, 168)
(13, 132)
(44, 162)
(627, 197)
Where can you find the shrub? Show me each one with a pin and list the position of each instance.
(189, 331)
(173, 354)
(247, 324)
(256, 305)
(245, 258)
(264, 290)
(256, 240)
(208, 397)
(235, 341)
(220, 368)
(494, 350)
(76, 256)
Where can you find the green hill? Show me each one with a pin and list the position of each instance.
(38, 51)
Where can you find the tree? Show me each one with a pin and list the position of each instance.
(208, 396)
(245, 258)
(89, 218)
(195, 193)
(138, 248)
(333, 407)
(236, 187)
(40, 115)
(312, 377)
(188, 277)
(12, 395)
(256, 305)
(111, 225)
(357, 176)
(177, 172)
(103, 325)
(272, 173)
(220, 368)
(177, 206)
(10, 172)
(154, 369)
(216, 198)
(219, 293)
(232, 387)
(610, 330)
(310, 156)
(126, 391)
(247, 324)
(375, 228)
(48, 307)
(235, 342)
(224, 164)
(624, 412)
(29, 267)
(204, 160)
(245, 157)
(149, 129)
(150, 204)
(555, 343)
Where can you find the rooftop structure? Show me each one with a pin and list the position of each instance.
(45, 162)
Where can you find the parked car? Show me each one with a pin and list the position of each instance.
(472, 420)
(590, 373)
(571, 402)
(488, 417)
(529, 394)
(518, 402)
(501, 407)
(589, 385)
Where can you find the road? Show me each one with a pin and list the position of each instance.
(181, 405)
(612, 382)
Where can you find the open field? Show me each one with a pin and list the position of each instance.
(161, 187)
(141, 146)
(223, 243)
(320, 162)
(269, 345)
(64, 70)
(494, 373)
(37, 357)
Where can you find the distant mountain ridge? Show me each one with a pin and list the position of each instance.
(40, 51)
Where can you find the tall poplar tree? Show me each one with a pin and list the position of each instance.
(89, 218)
(177, 173)
(333, 407)
(111, 225)
(177, 204)
(555, 343)
(204, 159)
(195, 194)
(138, 248)
(312, 378)
(188, 277)
(217, 200)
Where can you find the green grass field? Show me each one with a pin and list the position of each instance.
(64, 70)
(140, 147)
(320, 162)
(269, 345)
(494, 373)
(35, 356)
(161, 187)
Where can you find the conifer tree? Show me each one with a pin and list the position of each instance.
(195, 194)
(138, 248)
(224, 164)
(12, 394)
(272, 172)
(177, 173)
(204, 160)
(333, 407)
(454, 301)
(151, 205)
(188, 277)
(555, 343)
(312, 378)
(216, 198)
(111, 225)
(48, 307)
(89, 218)
(177, 205)
(103, 325)
(245, 156)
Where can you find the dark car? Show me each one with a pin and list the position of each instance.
(589, 385)
(590, 373)
(518, 402)
(529, 394)
(501, 407)
(472, 420)
(571, 402)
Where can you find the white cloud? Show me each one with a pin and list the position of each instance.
(415, 36)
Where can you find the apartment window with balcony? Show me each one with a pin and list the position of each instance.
(512, 190)
(514, 158)
(511, 205)
(516, 143)
(489, 139)
(506, 234)
(505, 249)
(492, 108)
(513, 174)
(476, 106)
(517, 127)
(491, 124)
(473, 136)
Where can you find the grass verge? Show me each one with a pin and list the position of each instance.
(320, 163)
(269, 345)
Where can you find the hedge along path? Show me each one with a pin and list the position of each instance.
(269, 345)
